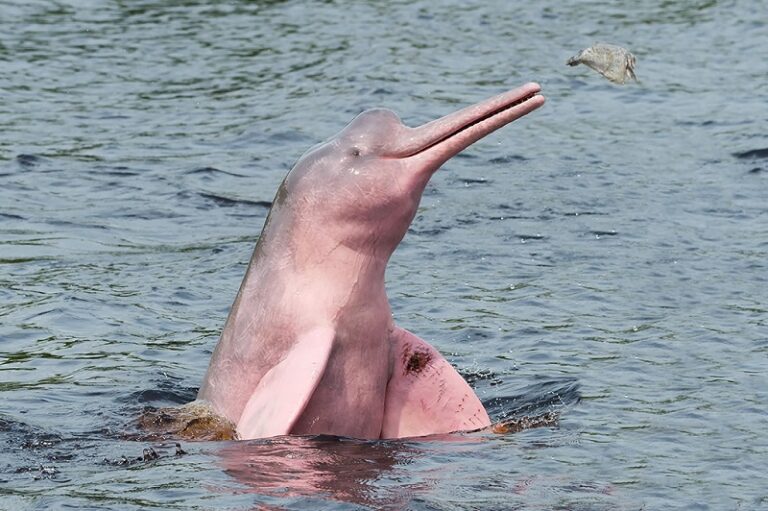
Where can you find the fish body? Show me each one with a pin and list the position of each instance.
(615, 63)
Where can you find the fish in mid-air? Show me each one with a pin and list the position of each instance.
(613, 62)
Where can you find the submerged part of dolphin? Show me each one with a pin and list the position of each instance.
(310, 346)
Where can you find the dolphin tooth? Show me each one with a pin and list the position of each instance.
(615, 63)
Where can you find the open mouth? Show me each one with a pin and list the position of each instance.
(515, 103)
(485, 117)
(454, 132)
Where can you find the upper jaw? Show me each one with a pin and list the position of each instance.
(443, 138)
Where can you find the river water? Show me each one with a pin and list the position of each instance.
(604, 257)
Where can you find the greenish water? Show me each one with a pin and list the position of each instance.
(612, 239)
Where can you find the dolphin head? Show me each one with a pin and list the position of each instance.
(361, 189)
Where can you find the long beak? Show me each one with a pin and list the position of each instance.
(439, 140)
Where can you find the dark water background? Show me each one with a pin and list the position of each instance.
(611, 240)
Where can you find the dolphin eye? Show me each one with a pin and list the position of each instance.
(355, 151)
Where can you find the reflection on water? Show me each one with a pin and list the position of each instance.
(322, 467)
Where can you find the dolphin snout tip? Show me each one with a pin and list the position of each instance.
(531, 89)
(533, 86)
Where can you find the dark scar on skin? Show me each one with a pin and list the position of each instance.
(415, 361)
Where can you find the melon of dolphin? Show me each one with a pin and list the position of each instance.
(310, 346)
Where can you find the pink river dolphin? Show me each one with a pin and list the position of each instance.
(310, 346)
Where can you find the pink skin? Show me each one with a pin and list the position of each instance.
(310, 346)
